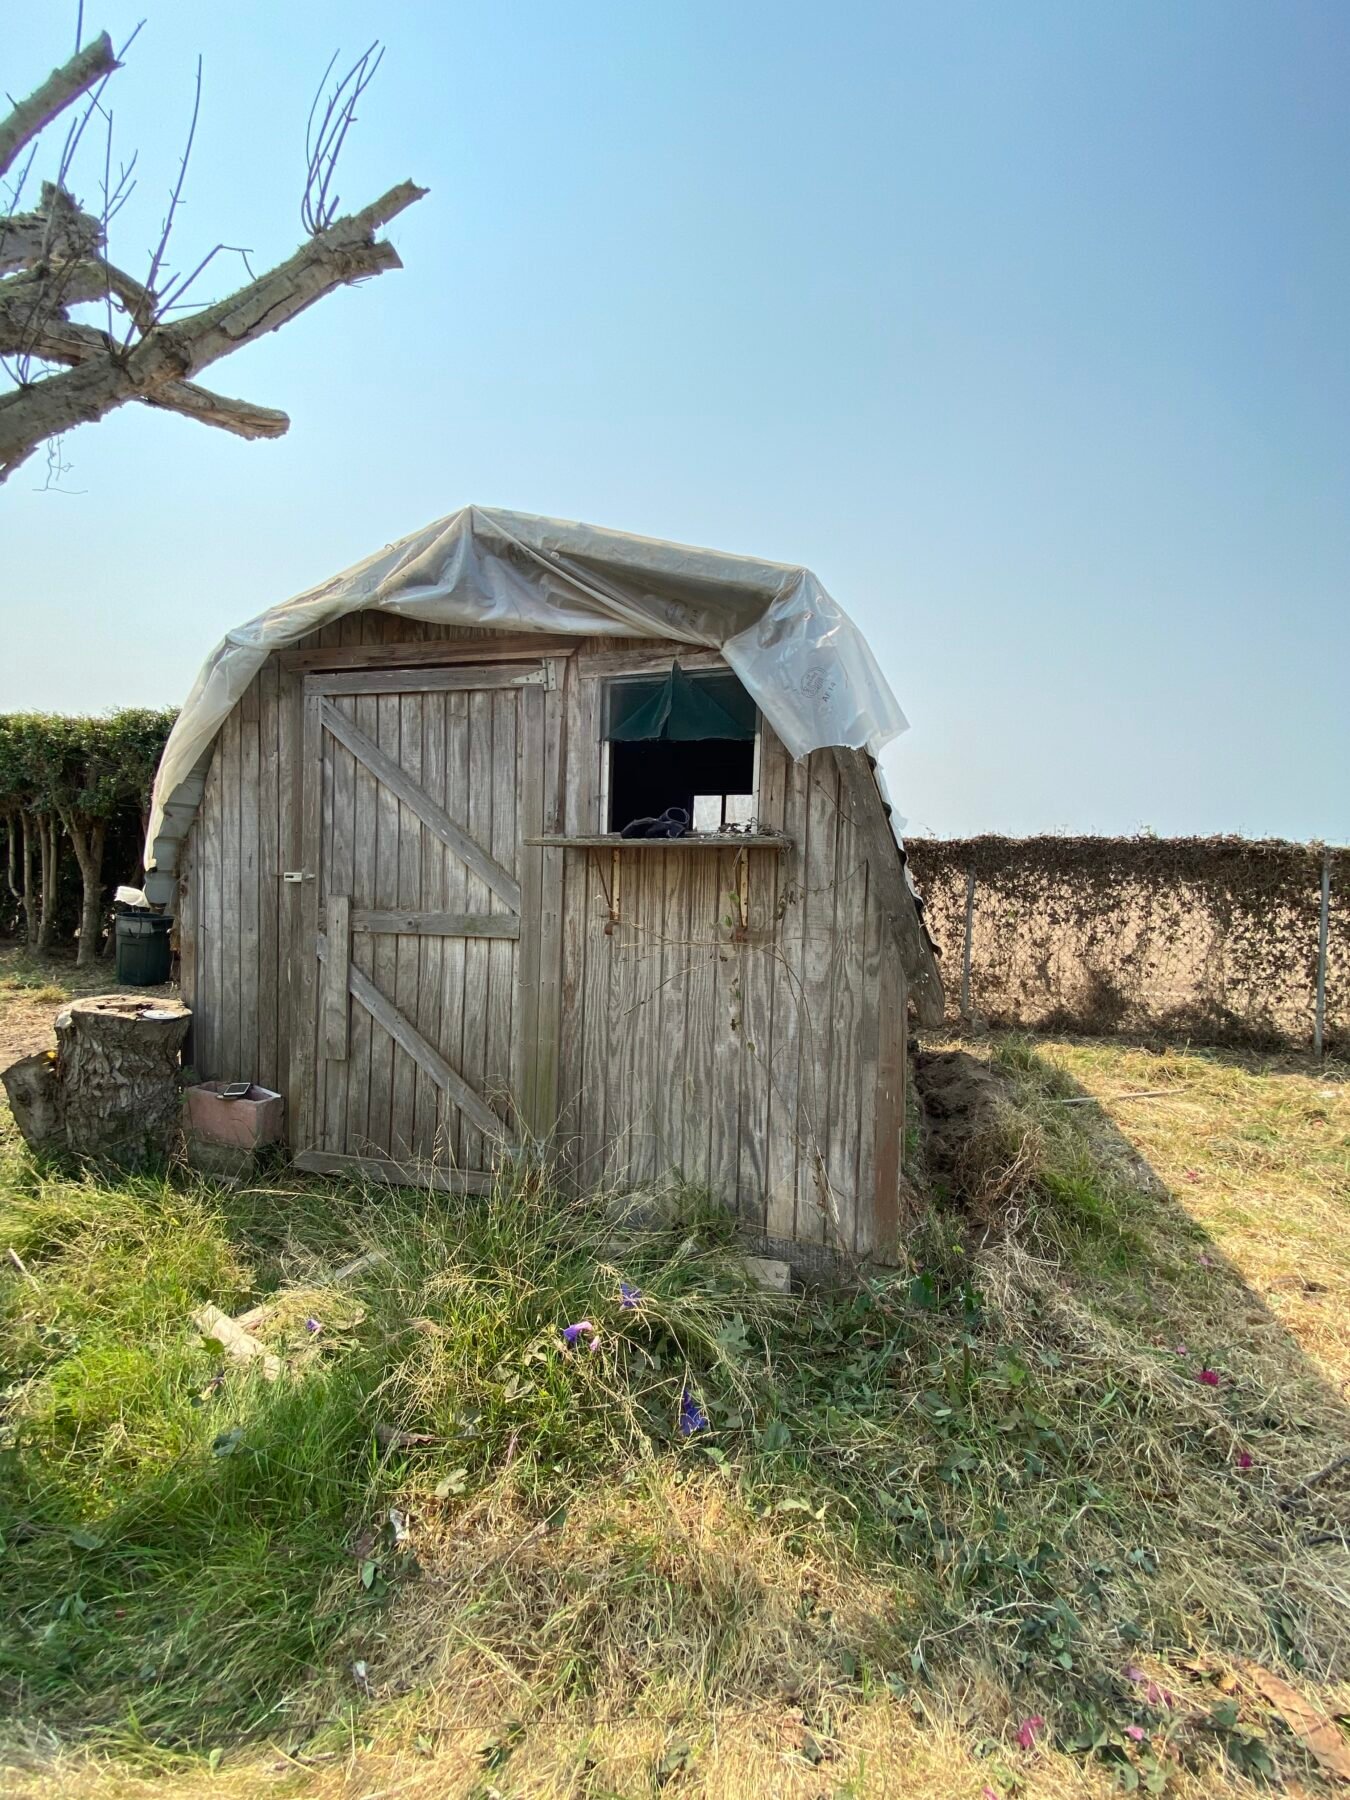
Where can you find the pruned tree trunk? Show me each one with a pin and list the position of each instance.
(86, 836)
(30, 916)
(12, 829)
(118, 1062)
(49, 842)
(36, 1101)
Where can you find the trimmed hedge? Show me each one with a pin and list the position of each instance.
(74, 793)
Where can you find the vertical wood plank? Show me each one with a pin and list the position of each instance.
(783, 1150)
(189, 927)
(844, 1084)
(230, 1049)
(362, 1032)
(334, 1006)
(533, 772)
(816, 1201)
(499, 1067)
(724, 1100)
(578, 881)
(888, 1110)
(269, 876)
(756, 1040)
(668, 1028)
(548, 1021)
(385, 948)
(407, 950)
(249, 829)
(872, 1025)
(290, 764)
(700, 1026)
(428, 1111)
(479, 898)
(651, 1075)
(341, 880)
(304, 970)
(456, 888)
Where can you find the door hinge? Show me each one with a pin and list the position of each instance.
(296, 875)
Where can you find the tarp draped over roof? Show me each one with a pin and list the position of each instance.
(798, 653)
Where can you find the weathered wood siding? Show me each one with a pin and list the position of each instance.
(764, 1060)
(749, 1060)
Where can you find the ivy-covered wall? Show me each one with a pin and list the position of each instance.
(74, 793)
(1208, 939)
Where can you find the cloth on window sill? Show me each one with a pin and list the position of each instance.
(673, 823)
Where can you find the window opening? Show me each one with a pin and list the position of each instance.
(681, 751)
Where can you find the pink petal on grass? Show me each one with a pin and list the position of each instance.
(1244, 1459)
(988, 1793)
(1209, 1377)
(1136, 1732)
(1026, 1731)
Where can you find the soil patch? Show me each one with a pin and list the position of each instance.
(961, 1096)
(34, 989)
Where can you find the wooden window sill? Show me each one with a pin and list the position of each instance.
(719, 840)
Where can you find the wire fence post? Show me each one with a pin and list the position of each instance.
(1323, 930)
(965, 954)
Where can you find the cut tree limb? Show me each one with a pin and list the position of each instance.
(84, 70)
(57, 232)
(59, 340)
(347, 251)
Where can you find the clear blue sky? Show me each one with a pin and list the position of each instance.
(1026, 326)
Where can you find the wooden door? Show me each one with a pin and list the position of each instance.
(417, 1008)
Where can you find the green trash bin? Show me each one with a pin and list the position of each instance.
(144, 954)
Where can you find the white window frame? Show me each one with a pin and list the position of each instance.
(645, 672)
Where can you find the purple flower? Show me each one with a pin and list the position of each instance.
(1136, 1732)
(692, 1416)
(628, 1296)
(1209, 1377)
(1026, 1731)
(582, 1328)
(313, 1326)
(1244, 1459)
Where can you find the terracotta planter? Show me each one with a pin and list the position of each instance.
(244, 1124)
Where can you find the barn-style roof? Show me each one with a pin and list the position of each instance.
(797, 652)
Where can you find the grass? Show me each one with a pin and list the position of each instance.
(445, 1554)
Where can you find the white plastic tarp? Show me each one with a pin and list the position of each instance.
(798, 653)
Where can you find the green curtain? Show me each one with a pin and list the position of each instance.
(680, 709)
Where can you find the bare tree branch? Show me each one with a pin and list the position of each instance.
(63, 341)
(323, 147)
(347, 251)
(56, 93)
(54, 258)
(58, 230)
(176, 196)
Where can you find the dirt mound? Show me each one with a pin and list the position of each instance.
(961, 1097)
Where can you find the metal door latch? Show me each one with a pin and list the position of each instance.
(296, 875)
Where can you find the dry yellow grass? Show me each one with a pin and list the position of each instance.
(1256, 1149)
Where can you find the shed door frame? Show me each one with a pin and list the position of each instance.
(321, 1007)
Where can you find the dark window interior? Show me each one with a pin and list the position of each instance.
(646, 778)
(649, 774)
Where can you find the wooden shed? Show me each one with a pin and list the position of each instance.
(395, 845)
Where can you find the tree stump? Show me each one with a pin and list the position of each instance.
(117, 1065)
(36, 1100)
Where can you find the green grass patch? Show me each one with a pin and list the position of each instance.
(999, 1459)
